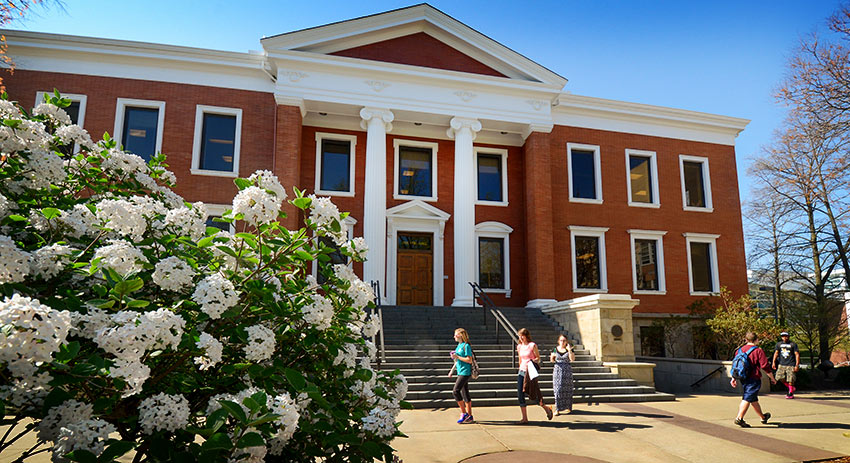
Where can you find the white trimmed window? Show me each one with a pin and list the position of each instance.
(702, 263)
(642, 178)
(216, 211)
(696, 183)
(335, 164)
(648, 261)
(76, 111)
(584, 173)
(336, 257)
(139, 125)
(491, 179)
(493, 259)
(218, 139)
(590, 271)
(415, 173)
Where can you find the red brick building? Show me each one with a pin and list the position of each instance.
(459, 159)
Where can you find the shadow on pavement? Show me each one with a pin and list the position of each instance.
(811, 425)
(580, 425)
(628, 414)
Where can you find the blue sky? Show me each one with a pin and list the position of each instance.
(723, 57)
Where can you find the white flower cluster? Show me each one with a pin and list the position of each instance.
(15, 264)
(43, 168)
(31, 333)
(88, 435)
(163, 412)
(173, 274)
(131, 335)
(121, 163)
(55, 114)
(358, 247)
(70, 411)
(319, 313)
(361, 293)
(257, 206)
(188, 222)
(79, 220)
(50, 260)
(120, 256)
(70, 134)
(261, 343)
(372, 326)
(287, 423)
(324, 213)
(5, 206)
(268, 181)
(122, 217)
(212, 348)
(87, 325)
(347, 356)
(380, 422)
(215, 294)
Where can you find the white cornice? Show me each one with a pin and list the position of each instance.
(405, 21)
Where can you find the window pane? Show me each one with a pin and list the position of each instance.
(640, 176)
(336, 258)
(491, 263)
(139, 133)
(489, 177)
(336, 159)
(652, 341)
(701, 267)
(218, 142)
(414, 242)
(584, 176)
(694, 187)
(587, 262)
(220, 225)
(74, 113)
(646, 265)
(414, 171)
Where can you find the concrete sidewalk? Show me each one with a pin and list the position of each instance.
(691, 429)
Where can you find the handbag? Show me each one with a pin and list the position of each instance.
(475, 370)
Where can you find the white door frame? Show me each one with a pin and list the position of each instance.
(417, 217)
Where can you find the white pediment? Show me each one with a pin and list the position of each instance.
(417, 209)
(393, 24)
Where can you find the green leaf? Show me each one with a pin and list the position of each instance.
(302, 203)
(17, 218)
(218, 441)
(242, 183)
(303, 255)
(252, 404)
(217, 419)
(251, 439)
(82, 456)
(268, 418)
(50, 212)
(136, 303)
(206, 242)
(372, 449)
(115, 450)
(296, 379)
(260, 397)
(68, 351)
(235, 410)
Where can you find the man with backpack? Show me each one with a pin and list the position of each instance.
(747, 364)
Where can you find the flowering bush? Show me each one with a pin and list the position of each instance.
(127, 325)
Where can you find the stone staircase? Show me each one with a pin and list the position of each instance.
(418, 341)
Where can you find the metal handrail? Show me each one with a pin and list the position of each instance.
(498, 316)
(701, 380)
(376, 288)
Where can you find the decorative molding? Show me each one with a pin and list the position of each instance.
(459, 123)
(377, 85)
(383, 114)
(465, 95)
(537, 104)
(294, 76)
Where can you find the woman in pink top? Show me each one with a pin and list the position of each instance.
(528, 352)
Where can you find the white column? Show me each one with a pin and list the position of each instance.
(463, 130)
(376, 122)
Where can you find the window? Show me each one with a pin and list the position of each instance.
(589, 266)
(702, 263)
(493, 261)
(696, 183)
(642, 174)
(139, 125)
(585, 176)
(218, 139)
(335, 164)
(492, 176)
(647, 262)
(416, 170)
(77, 113)
(652, 341)
(216, 211)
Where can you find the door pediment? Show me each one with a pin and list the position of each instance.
(417, 209)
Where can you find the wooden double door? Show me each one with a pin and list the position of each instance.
(415, 260)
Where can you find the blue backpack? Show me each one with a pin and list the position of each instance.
(741, 365)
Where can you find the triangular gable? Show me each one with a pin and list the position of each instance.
(417, 209)
(419, 49)
(383, 37)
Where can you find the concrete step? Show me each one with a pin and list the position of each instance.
(481, 384)
(511, 376)
(503, 401)
(547, 392)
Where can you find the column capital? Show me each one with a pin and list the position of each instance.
(382, 114)
(459, 123)
(288, 100)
